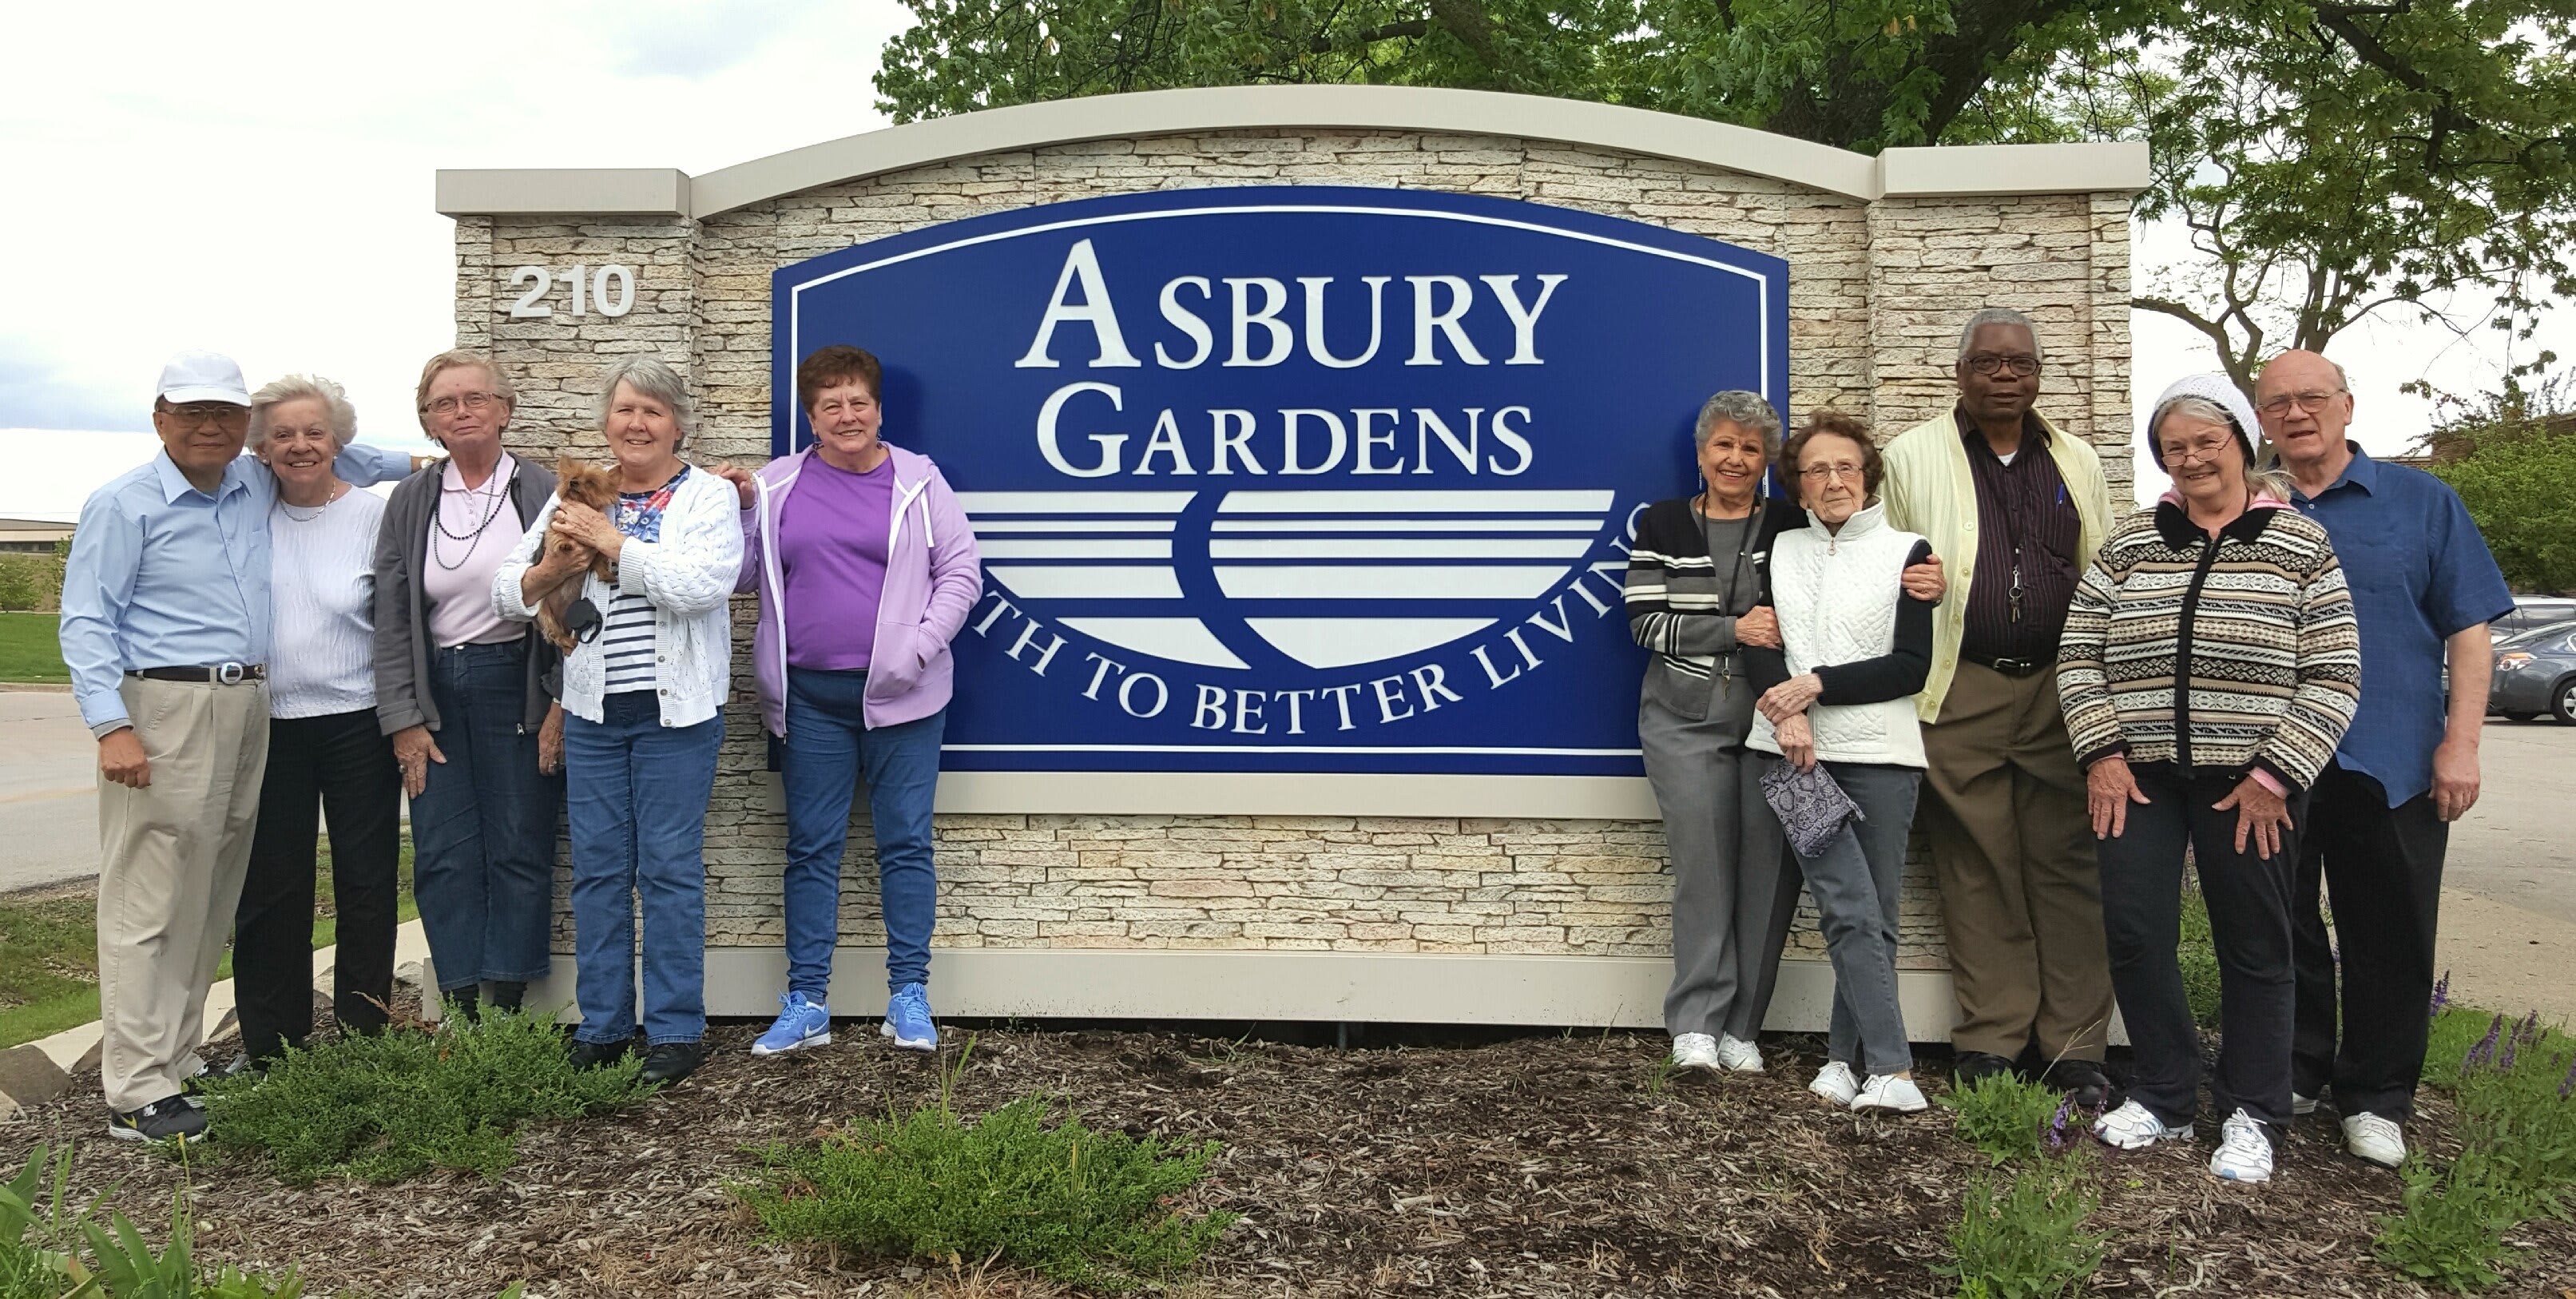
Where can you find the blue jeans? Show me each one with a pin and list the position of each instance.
(639, 791)
(829, 749)
(483, 827)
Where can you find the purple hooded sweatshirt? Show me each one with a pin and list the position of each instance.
(933, 578)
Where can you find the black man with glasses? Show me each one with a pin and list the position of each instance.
(2018, 506)
(165, 627)
(2424, 588)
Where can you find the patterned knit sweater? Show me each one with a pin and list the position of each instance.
(2240, 653)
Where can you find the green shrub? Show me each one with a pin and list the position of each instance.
(29, 582)
(1087, 1208)
(2027, 1240)
(2005, 1115)
(386, 1107)
(2451, 1233)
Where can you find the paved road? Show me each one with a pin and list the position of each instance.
(48, 791)
(2515, 846)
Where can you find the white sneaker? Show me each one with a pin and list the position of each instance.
(1835, 1083)
(2244, 1154)
(2135, 1127)
(1739, 1055)
(1886, 1091)
(2379, 1140)
(2302, 1105)
(1695, 1051)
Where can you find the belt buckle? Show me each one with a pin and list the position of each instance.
(230, 674)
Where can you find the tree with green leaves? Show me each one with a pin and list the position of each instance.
(2330, 161)
(2512, 459)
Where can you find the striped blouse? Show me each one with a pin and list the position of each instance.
(2236, 653)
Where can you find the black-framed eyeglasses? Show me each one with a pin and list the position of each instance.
(582, 619)
(1989, 363)
(199, 414)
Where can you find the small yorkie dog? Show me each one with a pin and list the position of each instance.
(596, 487)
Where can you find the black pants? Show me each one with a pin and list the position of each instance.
(342, 766)
(2249, 923)
(2382, 869)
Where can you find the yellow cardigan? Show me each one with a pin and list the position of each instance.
(1931, 492)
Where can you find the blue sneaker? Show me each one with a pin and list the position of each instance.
(907, 1019)
(801, 1023)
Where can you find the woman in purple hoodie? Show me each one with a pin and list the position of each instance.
(866, 568)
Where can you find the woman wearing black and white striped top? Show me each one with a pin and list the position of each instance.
(326, 752)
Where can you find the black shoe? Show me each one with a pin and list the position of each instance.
(464, 1003)
(591, 1055)
(170, 1116)
(2083, 1082)
(240, 1066)
(507, 995)
(672, 1061)
(1969, 1066)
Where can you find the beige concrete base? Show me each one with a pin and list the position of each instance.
(1584, 991)
(2504, 958)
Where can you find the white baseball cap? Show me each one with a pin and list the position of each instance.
(203, 376)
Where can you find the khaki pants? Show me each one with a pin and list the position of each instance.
(2012, 846)
(171, 860)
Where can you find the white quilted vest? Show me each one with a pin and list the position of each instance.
(1836, 594)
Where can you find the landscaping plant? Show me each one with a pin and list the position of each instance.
(1085, 1207)
(2006, 1115)
(2514, 1084)
(389, 1106)
(2026, 1238)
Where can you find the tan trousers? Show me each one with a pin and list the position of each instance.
(2012, 847)
(171, 860)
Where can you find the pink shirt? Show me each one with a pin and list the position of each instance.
(470, 535)
(832, 541)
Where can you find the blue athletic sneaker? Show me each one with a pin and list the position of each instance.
(801, 1023)
(907, 1019)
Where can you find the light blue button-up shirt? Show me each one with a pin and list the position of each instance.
(164, 575)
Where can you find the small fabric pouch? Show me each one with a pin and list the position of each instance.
(1811, 807)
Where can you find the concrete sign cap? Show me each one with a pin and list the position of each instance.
(202, 376)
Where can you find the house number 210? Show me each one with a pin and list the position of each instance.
(608, 290)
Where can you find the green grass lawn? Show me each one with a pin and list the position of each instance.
(30, 650)
(49, 955)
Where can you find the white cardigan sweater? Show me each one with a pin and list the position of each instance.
(687, 576)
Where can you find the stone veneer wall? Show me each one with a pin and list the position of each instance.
(1877, 294)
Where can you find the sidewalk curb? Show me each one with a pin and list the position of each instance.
(74, 1049)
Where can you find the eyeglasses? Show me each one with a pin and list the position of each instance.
(1989, 363)
(1821, 473)
(473, 401)
(2311, 402)
(199, 414)
(2199, 451)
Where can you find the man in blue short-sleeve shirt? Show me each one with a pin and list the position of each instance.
(2424, 589)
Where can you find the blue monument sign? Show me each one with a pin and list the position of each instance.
(1296, 479)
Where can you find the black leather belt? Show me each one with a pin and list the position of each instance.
(224, 674)
(2014, 667)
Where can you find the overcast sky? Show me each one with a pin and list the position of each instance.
(256, 178)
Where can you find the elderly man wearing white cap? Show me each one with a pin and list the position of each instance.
(165, 627)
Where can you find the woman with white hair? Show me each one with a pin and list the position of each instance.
(326, 753)
(644, 691)
(2209, 668)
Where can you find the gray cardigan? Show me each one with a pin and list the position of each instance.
(402, 611)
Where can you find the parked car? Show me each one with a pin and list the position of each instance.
(2533, 611)
(2535, 673)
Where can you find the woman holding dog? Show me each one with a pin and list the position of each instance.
(866, 568)
(464, 693)
(644, 690)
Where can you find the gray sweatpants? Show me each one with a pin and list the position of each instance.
(1733, 891)
(1856, 882)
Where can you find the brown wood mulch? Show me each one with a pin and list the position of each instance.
(1543, 1165)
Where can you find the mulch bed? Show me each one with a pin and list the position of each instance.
(1529, 1165)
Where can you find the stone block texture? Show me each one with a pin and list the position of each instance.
(1877, 295)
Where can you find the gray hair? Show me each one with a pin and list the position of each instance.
(343, 417)
(1999, 316)
(2259, 478)
(653, 379)
(1745, 410)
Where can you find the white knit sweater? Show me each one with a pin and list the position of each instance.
(1836, 594)
(688, 576)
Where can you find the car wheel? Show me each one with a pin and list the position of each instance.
(2562, 701)
(2518, 717)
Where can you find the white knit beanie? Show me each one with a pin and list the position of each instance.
(2212, 386)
